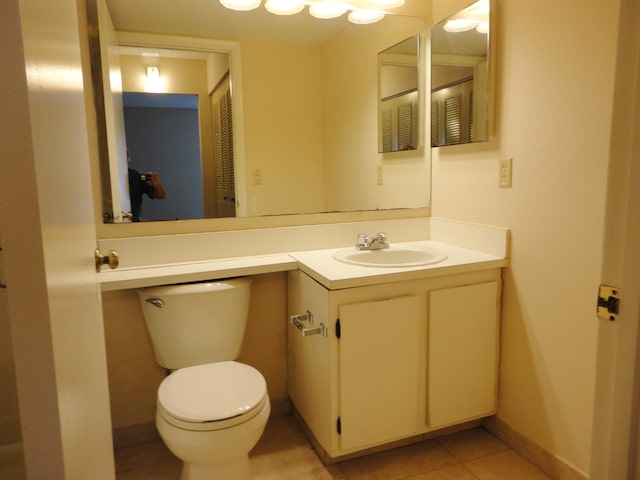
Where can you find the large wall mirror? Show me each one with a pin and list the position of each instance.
(460, 77)
(283, 111)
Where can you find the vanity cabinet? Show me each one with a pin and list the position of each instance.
(392, 361)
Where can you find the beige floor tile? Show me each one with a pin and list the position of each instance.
(471, 444)
(504, 465)
(148, 461)
(454, 472)
(284, 454)
(399, 463)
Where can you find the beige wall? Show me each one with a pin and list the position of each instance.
(351, 125)
(555, 80)
(282, 125)
(134, 375)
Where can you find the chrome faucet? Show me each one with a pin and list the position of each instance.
(379, 242)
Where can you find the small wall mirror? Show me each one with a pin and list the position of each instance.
(460, 77)
(399, 96)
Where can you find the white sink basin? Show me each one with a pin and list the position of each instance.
(394, 256)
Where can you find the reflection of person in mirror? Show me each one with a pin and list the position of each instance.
(142, 183)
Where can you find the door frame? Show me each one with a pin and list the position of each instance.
(615, 427)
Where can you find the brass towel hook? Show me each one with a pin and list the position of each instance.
(110, 259)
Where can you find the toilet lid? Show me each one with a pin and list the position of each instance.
(212, 392)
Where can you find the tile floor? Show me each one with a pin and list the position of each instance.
(283, 453)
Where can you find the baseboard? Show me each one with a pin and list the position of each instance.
(534, 453)
(130, 435)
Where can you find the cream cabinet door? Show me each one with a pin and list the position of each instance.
(462, 353)
(378, 353)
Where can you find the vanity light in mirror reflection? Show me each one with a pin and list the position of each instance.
(304, 109)
(460, 77)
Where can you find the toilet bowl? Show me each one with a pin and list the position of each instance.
(210, 416)
(211, 410)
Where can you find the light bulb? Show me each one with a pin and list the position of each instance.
(327, 9)
(241, 5)
(483, 27)
(460, 25)
(284, 7)
(385, 3)
(363, 17)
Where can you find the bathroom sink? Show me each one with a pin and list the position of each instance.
(394, 256)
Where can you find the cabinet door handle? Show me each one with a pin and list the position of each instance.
(304, 322)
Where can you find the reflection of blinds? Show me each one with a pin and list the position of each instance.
(405, 126)
(434, 123)
(223, 155)
(223, 143)
(452, 115)
(387, 129)
(398, 122)
(472, 120)
(452, 118)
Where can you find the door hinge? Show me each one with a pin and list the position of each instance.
(338, 332)
(339, 426)
(608, 302)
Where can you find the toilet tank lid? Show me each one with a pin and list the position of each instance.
(196, 287)
(212, 392)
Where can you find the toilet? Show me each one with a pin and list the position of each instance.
(211, 410)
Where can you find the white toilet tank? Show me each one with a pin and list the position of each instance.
(196, 323)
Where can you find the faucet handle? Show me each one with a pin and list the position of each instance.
(382, 237)
(363, 239)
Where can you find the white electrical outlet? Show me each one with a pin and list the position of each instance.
(504, 179)
(256, 177)
(380, 179)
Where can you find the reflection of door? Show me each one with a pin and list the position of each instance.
(223, 150)
(116, 142)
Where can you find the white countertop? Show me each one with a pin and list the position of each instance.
(319, 264)
(334, 275)
(164, 260)
(124, 278)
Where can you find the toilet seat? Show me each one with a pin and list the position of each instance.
(212, 396)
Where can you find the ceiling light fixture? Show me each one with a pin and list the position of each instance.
(360, 11)
(460, 24)
(362, 17)
(327, 9)
(476, 16)
(284, 7)
(241, 5)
